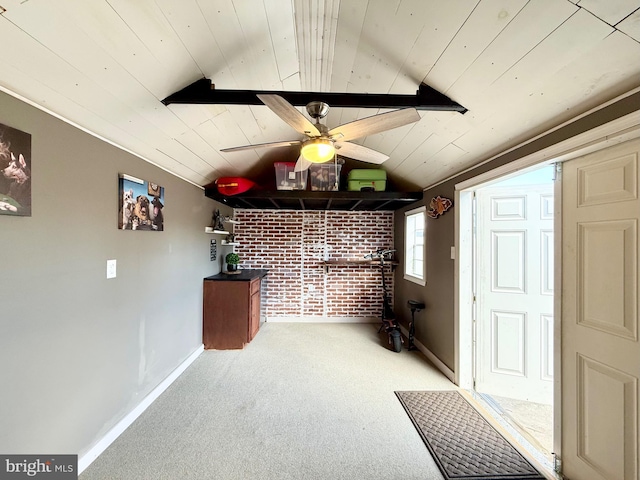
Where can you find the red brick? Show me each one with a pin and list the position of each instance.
(292, 245)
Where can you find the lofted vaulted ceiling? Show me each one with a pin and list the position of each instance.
(520, 68)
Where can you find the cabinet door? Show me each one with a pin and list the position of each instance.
(226, 314)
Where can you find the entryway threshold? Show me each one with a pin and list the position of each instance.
(505, 423)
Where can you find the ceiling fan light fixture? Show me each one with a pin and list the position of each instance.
(318, 150)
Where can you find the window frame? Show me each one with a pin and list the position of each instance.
(409, 276)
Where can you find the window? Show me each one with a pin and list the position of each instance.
(414, 268)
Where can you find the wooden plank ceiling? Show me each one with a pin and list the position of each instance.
(520, 67)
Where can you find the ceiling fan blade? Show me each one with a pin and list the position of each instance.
(288, 143)
(374, 124)
(358, 152)
(302, 164)
(289, 114)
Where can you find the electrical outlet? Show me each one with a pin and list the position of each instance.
(111, 269)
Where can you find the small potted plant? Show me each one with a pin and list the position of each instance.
(232, 260)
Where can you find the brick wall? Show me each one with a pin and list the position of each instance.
(292, 245)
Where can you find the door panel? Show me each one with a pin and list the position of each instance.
(546, 323)
(600, 435)
(515, 292)
(546, 207)
(546, 260)
(609, 181)
(508, 208)
(508, 268)
(600, 348)
(508, 342)
(607, 284)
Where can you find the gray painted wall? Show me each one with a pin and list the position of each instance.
(78, 351)
(435, 324)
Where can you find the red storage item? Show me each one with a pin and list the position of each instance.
(233, 185)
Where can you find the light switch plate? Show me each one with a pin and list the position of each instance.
(111, 269)
(453, 253)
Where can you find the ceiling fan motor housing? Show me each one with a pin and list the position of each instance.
(317, 109)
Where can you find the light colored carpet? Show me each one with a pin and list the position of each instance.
(302, 401)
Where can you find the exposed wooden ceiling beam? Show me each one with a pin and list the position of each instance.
(204, 92)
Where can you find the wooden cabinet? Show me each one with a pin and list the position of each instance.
(231, 312)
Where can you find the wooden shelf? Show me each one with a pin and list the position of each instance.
(316, 200)
(219, 232)
(356, 262)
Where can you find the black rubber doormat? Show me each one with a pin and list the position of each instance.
(463, 444)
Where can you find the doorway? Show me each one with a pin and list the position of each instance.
(513, 283)
(586, 385)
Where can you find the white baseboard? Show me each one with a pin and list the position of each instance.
(323, 319)
(447, 372)
(85, 460)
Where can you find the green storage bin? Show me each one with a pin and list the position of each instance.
(367, 179)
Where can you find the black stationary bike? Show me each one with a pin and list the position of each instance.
(388, 318)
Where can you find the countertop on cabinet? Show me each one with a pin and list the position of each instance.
(243, 276)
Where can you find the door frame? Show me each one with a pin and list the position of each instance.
(614, 132)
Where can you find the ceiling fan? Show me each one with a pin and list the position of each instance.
(321, 144)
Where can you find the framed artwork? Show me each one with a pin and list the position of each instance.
(15, 172)
(141, 204)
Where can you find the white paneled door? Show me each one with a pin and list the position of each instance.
(600, 345)
(514, 278)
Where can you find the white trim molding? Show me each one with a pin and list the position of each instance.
(617, 131)
(407, 276)
(578, 139)
(93, 134)
(85, 460)
(439, 364)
